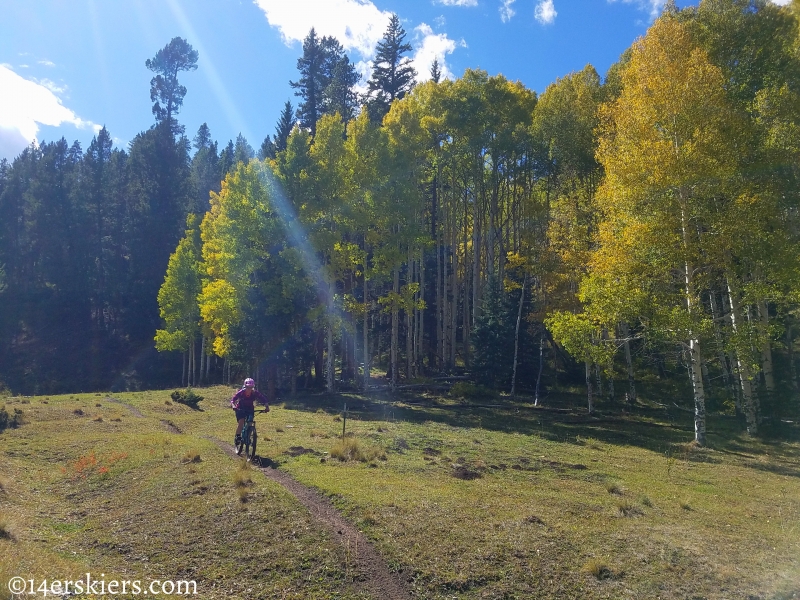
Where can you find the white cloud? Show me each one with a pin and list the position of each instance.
(432, 46)
(357, 24)
(545, 12)
(50, 85)
(781, 2)
(457, 2)
(24, 106)
(653, 7)
(47, 63)
(506, 12)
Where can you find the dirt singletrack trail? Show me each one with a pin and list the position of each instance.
(373, 576)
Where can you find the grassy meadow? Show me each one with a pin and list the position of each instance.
(462, 500)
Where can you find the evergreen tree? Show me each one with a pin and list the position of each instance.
(392, 73)
(267, 149)
(243, 151)
(339, 96)
(493, 338)
(165, 91)
(205, 170)
(284, 127)
(227, 163)
(436, 72)
(312, 83)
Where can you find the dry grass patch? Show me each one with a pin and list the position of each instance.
(5, 530)
(350, 449)
(599, 569)
(191, 456)
(628, 509)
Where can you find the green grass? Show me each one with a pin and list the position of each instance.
(561, 505)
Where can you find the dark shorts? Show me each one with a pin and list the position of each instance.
(241, 413)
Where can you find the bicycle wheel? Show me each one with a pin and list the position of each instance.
(251, 449)
(240, 445)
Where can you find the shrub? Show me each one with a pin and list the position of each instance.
(10, 421)
(187, 397)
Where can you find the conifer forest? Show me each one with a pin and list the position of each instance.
(608, 234)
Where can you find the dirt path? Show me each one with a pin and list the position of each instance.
(134, 411)
(373, 573)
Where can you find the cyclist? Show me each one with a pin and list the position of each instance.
(243, 403)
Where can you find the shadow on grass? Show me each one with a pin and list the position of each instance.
(664, 429)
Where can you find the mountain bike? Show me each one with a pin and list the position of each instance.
(249, 439)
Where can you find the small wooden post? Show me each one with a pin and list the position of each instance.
(344, 420)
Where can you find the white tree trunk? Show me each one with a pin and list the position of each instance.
(329, 364)
(395, 329)
(695, 359)
(749, 402)
(516, 336)
(766, 348)
(626, 333)
(366, 332)
(589, 384)
(723, 362)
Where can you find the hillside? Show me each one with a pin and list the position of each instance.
(458, 500)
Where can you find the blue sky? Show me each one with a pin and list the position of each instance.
(69, 67)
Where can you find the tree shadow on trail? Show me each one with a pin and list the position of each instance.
(664, 429)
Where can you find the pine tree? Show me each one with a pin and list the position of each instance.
(436, 71)
(205, 170)
(339, 96)
(311, 84)
(267, 149)
(284, 127)
(165, 91)
(493, 338)
(226, 160)
(392, 73)
(243, 151)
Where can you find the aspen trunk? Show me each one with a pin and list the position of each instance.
(749, 402)
(599, 375)
(409, 330)
(366, 332)
(395, 329)
(766, 348)
(420, 314)
(329, 374)
(699, 394)
(476, 266)
(516, 336)
(695, 358)
(626, 333)
(541, 365)
(723, 362)
(183, 368)
(454, 301)
(466, 311)
(589, 384)
(790, 349)
(203, 358)
(737, 388)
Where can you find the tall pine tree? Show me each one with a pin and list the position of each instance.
(392, 73)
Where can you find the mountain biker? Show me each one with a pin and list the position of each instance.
(243, 403)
